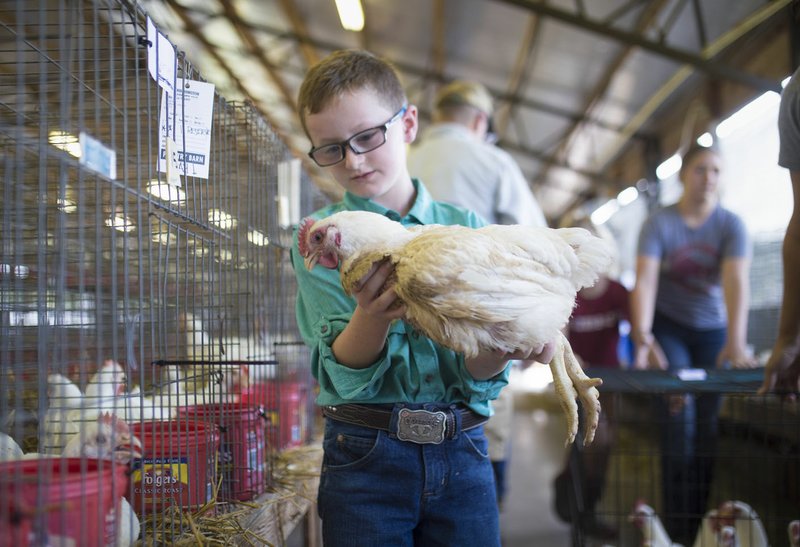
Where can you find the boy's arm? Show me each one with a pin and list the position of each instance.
(361, 342)
(489, 364)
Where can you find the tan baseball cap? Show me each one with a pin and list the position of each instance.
(462, 92)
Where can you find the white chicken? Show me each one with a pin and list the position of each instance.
(106, 438)
(9, 449)
(63, 396)
(109, 438)
(225, 370)
(732, 524)
(68, 407)
(654, 534)
(102, 393)
(794, 533)
(504, 288)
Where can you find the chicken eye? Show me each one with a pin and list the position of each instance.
(317, 237)
(101, 439)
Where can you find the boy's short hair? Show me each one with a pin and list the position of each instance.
(348, 70)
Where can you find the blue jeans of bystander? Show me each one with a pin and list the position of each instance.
(688, 430)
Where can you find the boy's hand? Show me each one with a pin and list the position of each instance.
(490, 363)
(542, 353)
(363, 339)
(375, 295)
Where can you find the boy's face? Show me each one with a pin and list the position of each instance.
(381, 174)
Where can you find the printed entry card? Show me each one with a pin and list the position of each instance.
(187, 121)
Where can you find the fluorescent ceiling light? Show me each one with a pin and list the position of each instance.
(161, 237)
(66, 142)
(706, 139)
(66, 205)
(257, 238)
(753, 110)
(669, 167)
(20, 271)
(120, 223)
(225, 255)
(627, 196)
(351, 14)
(604, 212)
(221, 219)
(166, 192)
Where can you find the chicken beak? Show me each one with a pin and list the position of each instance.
(136, 443)
(129, 448)
(311, 260)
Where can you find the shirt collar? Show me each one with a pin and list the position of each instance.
(447, 129)
(421, 211)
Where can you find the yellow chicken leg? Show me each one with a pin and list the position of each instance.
(565, 391)
(571, 383)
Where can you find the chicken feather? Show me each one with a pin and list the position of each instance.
(499, 288)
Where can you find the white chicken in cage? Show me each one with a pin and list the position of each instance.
(63, 396)
(733, 524)
(9, 449)
(239, 360)
(110, 438)
(105, 393)
(106, 438)
(794, 533)
(645, 518)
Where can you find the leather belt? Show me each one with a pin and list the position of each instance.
(415, 425)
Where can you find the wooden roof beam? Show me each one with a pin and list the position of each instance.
(519, 72)
(682, 56)
(308, 50)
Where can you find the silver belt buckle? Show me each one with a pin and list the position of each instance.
(421, 426)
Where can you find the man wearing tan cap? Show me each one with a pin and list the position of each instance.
(458, 165)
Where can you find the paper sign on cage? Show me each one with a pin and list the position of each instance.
(97, 157)
(160, 58)
(187, 121)
(288, 193)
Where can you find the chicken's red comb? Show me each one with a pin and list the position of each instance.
(114, 421)
(302, 235)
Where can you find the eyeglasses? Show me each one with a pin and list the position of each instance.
(360, 143)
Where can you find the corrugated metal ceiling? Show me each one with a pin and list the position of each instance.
(577, 83)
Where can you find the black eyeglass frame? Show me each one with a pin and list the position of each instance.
(342, 146)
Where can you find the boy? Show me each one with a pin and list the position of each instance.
(385, 480)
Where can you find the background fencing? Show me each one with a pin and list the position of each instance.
(755, 460)
(143, 297)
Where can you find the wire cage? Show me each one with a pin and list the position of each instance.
(146, 313)
(639, 482)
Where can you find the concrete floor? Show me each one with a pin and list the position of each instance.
(537, 456)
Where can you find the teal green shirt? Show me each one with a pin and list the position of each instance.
(411, 368)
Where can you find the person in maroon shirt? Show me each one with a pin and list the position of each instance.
(594, 328)
(594, 334)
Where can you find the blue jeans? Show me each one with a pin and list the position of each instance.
(376, 490)
(688, 435)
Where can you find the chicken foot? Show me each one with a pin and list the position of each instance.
(571, 383)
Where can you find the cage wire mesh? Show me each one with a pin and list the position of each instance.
(145, 327)
(618, 482)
